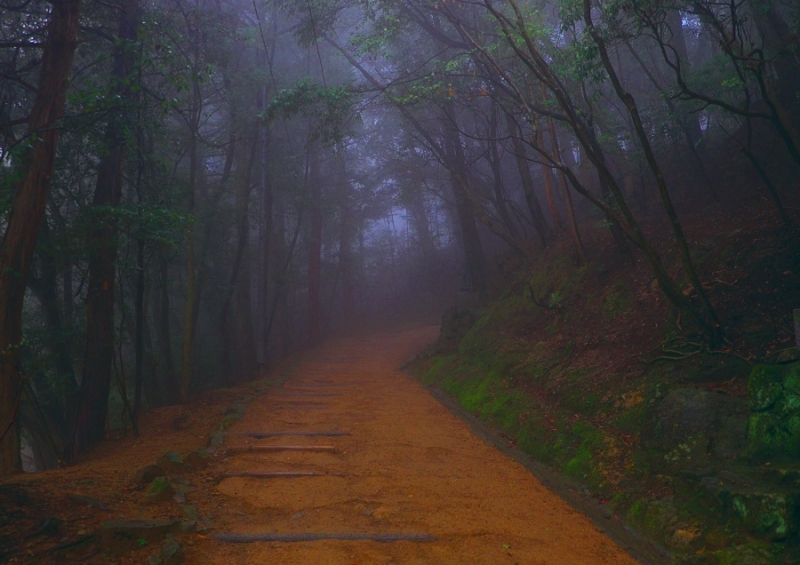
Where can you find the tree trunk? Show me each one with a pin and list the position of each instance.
(535, 209)
(237, 330)
(187, 353)
(573, 224)
(548, 185)
(475, 261)
(27, 214)
(102, 243)
(161, 314)
(494, 163)
(315, 250)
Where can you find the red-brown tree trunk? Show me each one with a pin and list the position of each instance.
(102, 243)
(27, 213)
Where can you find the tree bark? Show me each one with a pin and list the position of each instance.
(314, 305)
(90, 420)
(27, 214)
(535, 209)
(562, 179)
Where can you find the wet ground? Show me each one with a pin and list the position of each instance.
(408, 468)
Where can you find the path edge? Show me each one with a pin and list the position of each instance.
(646, 551)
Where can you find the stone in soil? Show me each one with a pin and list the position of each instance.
(159, 491)
(146, 475)
(171, 462)
(197, 458)
(122, 536)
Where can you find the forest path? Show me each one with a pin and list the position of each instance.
(408, 467)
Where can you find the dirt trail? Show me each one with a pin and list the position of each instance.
(407, 467)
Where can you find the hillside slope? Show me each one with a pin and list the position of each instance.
(599, 378)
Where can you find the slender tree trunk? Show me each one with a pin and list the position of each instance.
(315, 250)
(548, 186)
(27, 214)
(187, 353)
(161, 314)
(139, 329)
(237, 330)
(535, 209)
(494, 163)
(562, 179)
(712, 324)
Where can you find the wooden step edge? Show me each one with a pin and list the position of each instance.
(231, 537)
(265, 448)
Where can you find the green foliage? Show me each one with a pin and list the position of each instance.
(328, 107)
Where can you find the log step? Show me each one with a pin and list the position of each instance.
(298, 392)
(262, 435)
(279, 474)
(271, 537)
(266, 448)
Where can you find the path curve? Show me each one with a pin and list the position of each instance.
(408, 467)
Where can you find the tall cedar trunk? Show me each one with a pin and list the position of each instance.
(494, 163)
(190, 318)
(138, 369)
(237, 329)
(345, 248)
(475, 261)
(161, 314)
(265, 227)
(315, 250)
(562, 179)
(27, 213)
(102, 244)
(548, 185)
(534, 207)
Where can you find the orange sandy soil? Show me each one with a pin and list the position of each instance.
(408, 467)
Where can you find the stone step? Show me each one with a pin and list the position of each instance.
(293, 538)
(279, 474)
(262, 435)
(268, 448)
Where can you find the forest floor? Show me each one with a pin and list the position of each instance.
(407, 466)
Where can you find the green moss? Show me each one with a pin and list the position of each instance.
(582, 466)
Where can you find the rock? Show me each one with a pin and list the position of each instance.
(684, 537)
(155, 559)
(689, 427)
(788, 356)
(145, 475)
(123, 536)
(773, 516)
(197, 458)
(171, 462)
(216, 439)
(159, 491)
(773, 428)
(189, 512)
(171, 551)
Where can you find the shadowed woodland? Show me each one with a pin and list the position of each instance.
(191, 191)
